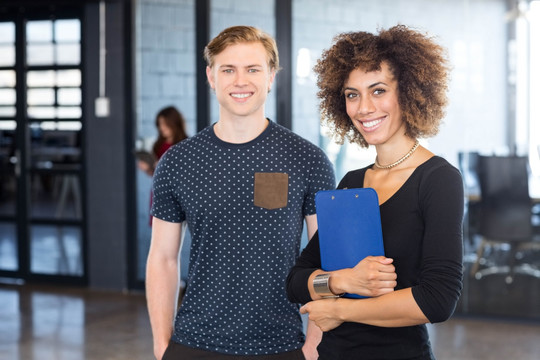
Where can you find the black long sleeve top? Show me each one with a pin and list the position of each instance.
(422, 232)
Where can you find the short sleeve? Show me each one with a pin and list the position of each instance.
(165, 203)
(321, 177)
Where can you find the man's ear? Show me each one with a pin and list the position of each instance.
(272, 76)
(210, 77)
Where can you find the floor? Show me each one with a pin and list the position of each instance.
(45, 323)
(51, 323)
(54, 250)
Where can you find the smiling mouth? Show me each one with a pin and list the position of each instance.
(241, 95)
(371, 123)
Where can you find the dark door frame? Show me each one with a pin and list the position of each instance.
(19, 14)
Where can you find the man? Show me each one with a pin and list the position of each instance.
(243, 186)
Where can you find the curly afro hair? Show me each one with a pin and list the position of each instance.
(416, 61)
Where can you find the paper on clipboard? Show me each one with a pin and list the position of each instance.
(349, 224)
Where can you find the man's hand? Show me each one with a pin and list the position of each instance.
(313, 338)
(159, 350)
(310, 352)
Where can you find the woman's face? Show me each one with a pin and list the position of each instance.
(164, 129)
(372, 104)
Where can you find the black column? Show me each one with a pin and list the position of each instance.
(283, 14)
(202, 36)
(22, 151)
(105, 149)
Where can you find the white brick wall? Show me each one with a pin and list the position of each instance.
(165, 38)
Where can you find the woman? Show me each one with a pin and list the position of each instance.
(388, 90)
(171, 130)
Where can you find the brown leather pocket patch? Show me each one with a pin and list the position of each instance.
(271, 190)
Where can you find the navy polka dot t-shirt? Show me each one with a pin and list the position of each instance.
(244, 205)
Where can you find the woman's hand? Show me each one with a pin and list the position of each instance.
(373, 276)
(323, 313)
(144, 166)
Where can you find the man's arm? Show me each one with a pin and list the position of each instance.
(162, 280)
(311, 223)
(313, 333)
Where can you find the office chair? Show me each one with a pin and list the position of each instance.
(504, 217)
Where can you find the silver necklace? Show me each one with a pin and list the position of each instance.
(396, 163)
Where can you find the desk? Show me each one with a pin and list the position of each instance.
(476, 198)
(44, 157)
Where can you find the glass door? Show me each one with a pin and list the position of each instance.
(8, 152)
(41, 149)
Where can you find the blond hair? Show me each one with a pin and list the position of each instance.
(242, 34)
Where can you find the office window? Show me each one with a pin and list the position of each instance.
(7, 44)
(52, 44)
(473, 33)
(534, 63)
(41, 126)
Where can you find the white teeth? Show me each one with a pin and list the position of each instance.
(240, 96)
(369, 124)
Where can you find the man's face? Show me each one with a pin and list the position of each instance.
(241, 79)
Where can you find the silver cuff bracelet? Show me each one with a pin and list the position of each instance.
(320, 285)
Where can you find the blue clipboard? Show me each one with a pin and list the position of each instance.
(349, 223)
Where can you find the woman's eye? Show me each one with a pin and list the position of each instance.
(351, 96)
(379, 91)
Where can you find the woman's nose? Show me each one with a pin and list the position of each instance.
(365, 106)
